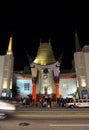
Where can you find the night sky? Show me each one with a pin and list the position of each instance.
(29, 23)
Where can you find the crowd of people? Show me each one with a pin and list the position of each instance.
(62, 101)
(27, 101)
(45, 101)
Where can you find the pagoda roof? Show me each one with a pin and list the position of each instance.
(45, 55)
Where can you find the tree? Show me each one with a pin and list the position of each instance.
(15, 91)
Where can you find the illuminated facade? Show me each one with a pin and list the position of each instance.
(6, 72)
(81, 59)
(46, 78)
(48, 71)
(67, 85)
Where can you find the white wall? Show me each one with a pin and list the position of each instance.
(67, 87)
(20, 84)
(1, 70)
(86, 55)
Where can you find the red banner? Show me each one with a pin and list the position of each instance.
(56, 71)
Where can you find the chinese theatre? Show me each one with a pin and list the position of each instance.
(45, 72)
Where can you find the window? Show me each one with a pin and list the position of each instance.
(26, 86)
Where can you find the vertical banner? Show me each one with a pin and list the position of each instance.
(56, 76)
(34, 78)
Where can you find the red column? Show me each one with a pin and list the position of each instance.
(56, 76)
(57, 90)
(34, 79)
(34, 92)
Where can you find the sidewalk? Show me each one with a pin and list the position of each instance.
(39, 108)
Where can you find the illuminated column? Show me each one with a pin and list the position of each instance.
(56, 77)
(34, 79)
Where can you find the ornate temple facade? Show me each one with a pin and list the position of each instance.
(46, 78)
(45, 72)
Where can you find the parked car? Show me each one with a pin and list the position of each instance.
(78, 103)
(70, 105)
(6, 108)
(82, 103)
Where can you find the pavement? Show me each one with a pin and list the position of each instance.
(39, 108)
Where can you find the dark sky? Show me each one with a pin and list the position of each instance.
(30, 22)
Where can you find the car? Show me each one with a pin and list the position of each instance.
(78, 103)
(82, 103)
(70, 105)
(6, 108)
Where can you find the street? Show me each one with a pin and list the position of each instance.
(31, 124)
(64, 119)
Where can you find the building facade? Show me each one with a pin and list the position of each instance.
(67, 85)
(81, 59)
(46, 77)
(6, 72)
